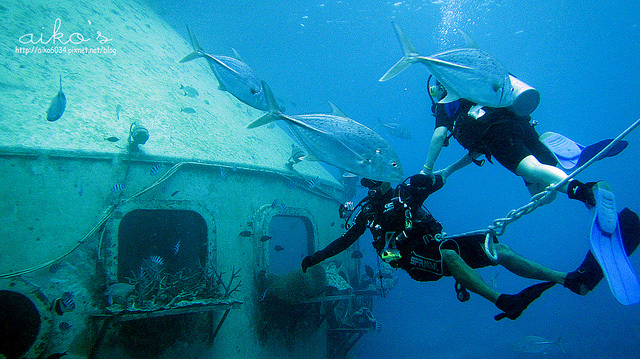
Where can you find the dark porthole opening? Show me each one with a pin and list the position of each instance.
(167, 240)
(19, 324)
(291, 240)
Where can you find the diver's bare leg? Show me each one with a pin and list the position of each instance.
(526, 268)
(466, 276)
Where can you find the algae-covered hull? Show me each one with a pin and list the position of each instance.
(170, 246)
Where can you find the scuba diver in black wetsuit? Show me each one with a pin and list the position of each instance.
(407, 236)
(501, 134)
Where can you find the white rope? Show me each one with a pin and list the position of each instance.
(499, 225)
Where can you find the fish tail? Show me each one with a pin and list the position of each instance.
(192, 56)
(274, 113)
(409, 57)
(397, 68)
(197, 50)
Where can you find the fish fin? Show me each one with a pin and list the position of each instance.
(271, 99)
(335, 110)
(236, 54)
(407, 59)
(221, 86)
(428, 59)
(607, 247)
(451, 96)
(274, 112)
(197, 50)
(407, 47)
(468, 41)
(192, 56)
(310, 157)
(264, 119)
(193, 39)
(397, 68)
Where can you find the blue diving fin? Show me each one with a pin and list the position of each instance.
(608, 248)
(571, 154)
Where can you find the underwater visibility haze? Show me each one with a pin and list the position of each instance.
(582, 56)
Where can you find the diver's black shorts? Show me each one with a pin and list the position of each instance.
(511, 141)
(423, 259)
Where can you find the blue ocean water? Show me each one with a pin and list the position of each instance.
(583, 57)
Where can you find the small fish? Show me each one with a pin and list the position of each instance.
(535, 344)
(64, 304)
(174, 193)
(223, 173)
(118, 110)
(292, 184)
(274, 204)
(156, 169)
(112, 139)
(265, 238)
(54, 267)
(176, 248)
(67, 301)
(64, 326)
(278, 248)
(206, 102)
(57, 106)
(189, 91)
(117, 188)
(246, 234)
(369, 271)
(312, 183)
(356, 254)
(155, 261)
(396, 129)
(296, 154)
(189, 110)
(56, 355)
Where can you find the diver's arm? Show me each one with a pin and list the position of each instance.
(459, 164)
(437, 142)
(337, 246)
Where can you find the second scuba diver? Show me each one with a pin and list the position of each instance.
(406, 236)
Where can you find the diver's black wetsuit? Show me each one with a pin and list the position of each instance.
(499, 133)
(399, 215)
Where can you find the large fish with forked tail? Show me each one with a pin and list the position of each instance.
(234, 76)
(469, 73)
(338, 141)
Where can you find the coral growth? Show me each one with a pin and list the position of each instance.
(155, 288)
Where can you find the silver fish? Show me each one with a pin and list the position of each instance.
(467, 73)
(234, 76)
(339, 141)
(396, 129)
(189, 91)
(57, 106)
(535, 344)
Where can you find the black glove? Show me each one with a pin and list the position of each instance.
(308, 261)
